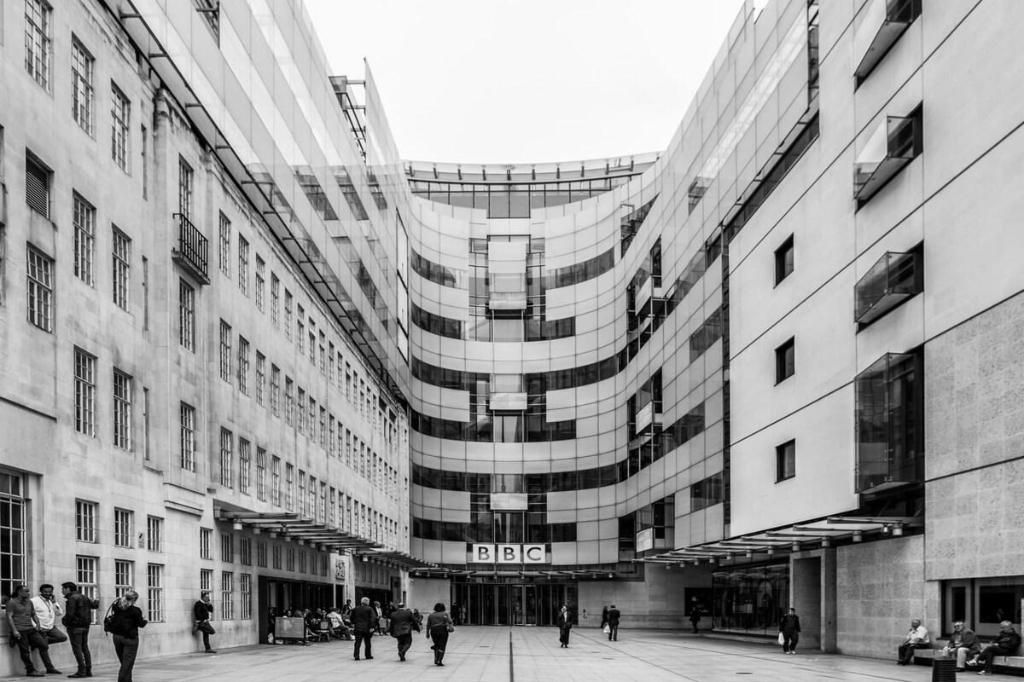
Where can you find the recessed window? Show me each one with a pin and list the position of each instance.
(785, 461)
(784, 260)
(38, 179)
(785, 361)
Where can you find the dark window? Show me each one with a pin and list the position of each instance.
(37, 185)
(785, 461)
(785, 361)
(784, 260)
(706, 493)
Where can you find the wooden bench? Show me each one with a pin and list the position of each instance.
(1010, 665)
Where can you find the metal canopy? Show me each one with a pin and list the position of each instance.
(291, 526)
(402, 559)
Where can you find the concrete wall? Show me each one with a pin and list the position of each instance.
(880, 588)
(657, 602)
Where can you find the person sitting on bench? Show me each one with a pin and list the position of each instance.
(1006, 643)
(917, 638)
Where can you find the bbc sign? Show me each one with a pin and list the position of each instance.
(509, 554)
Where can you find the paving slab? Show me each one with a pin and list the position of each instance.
(525, 654)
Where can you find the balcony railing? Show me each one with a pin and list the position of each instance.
(883, 24)
(888, 283)
(192, 249)
(893, 144)
(890, 423)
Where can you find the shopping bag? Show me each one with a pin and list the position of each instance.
(607, 629)
(782, 638)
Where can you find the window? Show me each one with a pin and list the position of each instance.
(260, 274)
(785, 461)
(209, 10)
(39, 273)
(38, 40)
(154, 534)
(224, 245)
(244, 465)
(205, 540)
(85, 392)
(124, 527)
(261, 474)
(122, 410)
(323, 354)
(289, 402)
(84, 220)
(276, 556)
(261, 554)
(206, 579)
(38, 179)
(145, 165)
(300, 423)
(261, 377)
(275, 481)
(82, 98)
(300, 334)
(289, 486)
(186, 180)
(155, 593)
(784, 260)
(890, 417)
(275, 286)
(87, 577)
(226, 456)
(85, 521)
(121, 267)
(120, 115)
(243, 365)
(245, 585)
(290, 559)
(243, 265)
(124, 576)
(227, 548)
(706, 493)
(785, 361)
(186, 315)
(187, 419)
(12, 532)
(275, 390)
(245, 551)
(287, 315)
(225, 351)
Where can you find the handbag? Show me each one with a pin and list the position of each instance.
(450, 624)
(607, 629)
(108, 620)
(782, 638)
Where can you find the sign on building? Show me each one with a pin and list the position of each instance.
(509, 554)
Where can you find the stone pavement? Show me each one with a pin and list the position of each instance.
(522, 654)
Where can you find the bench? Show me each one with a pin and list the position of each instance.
(1010, 665)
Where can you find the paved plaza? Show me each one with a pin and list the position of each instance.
(496, 654)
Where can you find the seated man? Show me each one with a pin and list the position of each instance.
(1006, 643)
(917, 638)
(963, 645)
(338, 628)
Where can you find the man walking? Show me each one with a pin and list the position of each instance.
(77, 619)
(201, 611)
(402, 625)
(47, 611)
(613, 624)
(364, 620)
(25, 632)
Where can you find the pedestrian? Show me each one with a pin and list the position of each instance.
(378, 618)
(613, 624)
(401, 624)
(789, 631)
(25, 632)
(47, 611)
(564, 626)
(604, 616)
(439, 626)
(201, 611)
(77, 619)
(346, 608)
(696, 611)
(364, 619)
(126, 619)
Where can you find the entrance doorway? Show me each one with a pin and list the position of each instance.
(514, 604)
(277, 596)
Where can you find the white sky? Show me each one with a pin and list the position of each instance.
(513, 81)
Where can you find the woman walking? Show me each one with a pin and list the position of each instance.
(439, 626)
(789, 631)
(126, 619)
(564, 626)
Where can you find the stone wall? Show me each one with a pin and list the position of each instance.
(656, 602)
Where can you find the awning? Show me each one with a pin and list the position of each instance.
(291, 526)
(788, 539)
(400, 559)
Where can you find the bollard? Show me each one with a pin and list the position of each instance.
(944, 670)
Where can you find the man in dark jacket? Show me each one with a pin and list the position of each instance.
(201, 611)
(402, 625)
(613, 624)
(363, 622)
(1006, 643)
(77, 619)
(789, 628)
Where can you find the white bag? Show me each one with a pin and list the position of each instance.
(782, 639)
(607, 629)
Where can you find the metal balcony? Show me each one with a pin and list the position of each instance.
(192, 249)
(889, 282)
(890, 423)
(883, 24)
(893, 144)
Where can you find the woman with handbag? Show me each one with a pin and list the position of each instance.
(123, 623)
(789, 631)
(439, 626)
